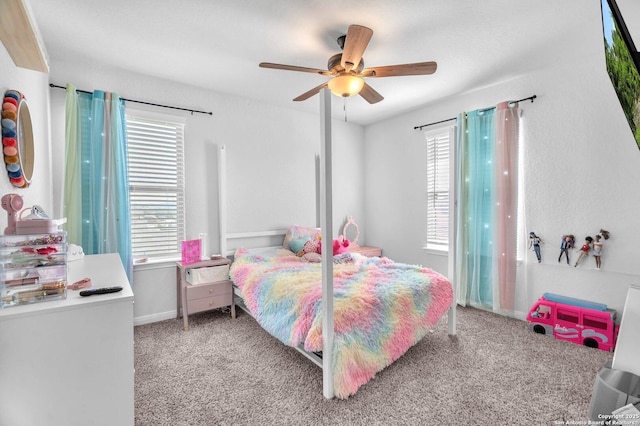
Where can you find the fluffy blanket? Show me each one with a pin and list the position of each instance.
(381, 308)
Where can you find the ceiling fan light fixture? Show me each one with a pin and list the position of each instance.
(346, 85)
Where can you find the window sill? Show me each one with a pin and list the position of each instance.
(156, 263)
(436, 252)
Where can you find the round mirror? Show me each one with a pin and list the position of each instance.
(17, 139)
(351, 231)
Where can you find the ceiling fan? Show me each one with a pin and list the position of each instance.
(347, 68)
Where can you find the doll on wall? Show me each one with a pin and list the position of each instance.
(534, 243)
(597, 247)
(567, 243)
(584, 250)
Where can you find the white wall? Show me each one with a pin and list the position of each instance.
(630, 10)
(270, 161)
(581, 173)
(33, 85)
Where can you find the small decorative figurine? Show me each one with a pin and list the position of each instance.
(534, 242)
(584, 250)
(597, 251)
(567, 243)
(597, 247)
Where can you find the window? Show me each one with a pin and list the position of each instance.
(588, 321)
(568, 316)
(438, 153)
(156, 185)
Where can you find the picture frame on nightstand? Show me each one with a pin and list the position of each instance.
(191, 251)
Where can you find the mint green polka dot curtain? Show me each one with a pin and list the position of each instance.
(486, 187)
(96, 193)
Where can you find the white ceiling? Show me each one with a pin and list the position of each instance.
(217, 45)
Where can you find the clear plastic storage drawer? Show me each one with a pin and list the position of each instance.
(33, 268)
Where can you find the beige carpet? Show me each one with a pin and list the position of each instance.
(232, 372)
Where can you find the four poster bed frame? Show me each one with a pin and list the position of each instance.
(324, 192)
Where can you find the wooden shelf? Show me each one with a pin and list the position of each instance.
(20, 36)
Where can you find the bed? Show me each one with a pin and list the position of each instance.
(352, 330)
(381, 307)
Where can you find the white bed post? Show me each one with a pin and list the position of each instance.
(222, 199)
(317, 165)
(453, 223)
(326, 226)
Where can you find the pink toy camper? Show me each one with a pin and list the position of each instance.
(575, 320)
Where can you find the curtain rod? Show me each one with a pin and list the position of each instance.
(530, 98)
(141, 102)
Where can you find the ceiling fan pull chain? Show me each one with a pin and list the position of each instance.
(344, 107)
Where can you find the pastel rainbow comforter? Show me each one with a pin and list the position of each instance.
(381, 308)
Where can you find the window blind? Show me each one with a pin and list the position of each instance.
(156, 184)
(438, 189)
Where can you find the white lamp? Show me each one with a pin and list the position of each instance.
(346, 85)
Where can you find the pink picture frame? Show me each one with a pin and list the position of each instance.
(191, 251)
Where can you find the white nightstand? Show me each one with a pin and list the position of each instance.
(367, 251)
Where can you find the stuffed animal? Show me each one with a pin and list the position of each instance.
(340, 245)
(311, 246)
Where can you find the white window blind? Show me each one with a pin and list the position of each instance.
(438, 144)
(156, 185)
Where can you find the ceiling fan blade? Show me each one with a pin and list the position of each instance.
(310, 93)
(370, 95)
(293, 68)
(354, 45)
(420, 68)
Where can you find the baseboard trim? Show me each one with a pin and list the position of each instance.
(148, 319)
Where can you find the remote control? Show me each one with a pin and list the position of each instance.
(103, 290)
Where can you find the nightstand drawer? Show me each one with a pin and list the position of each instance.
(208, 290)
(207, 303)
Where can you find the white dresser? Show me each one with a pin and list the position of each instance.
(70, 362)
(626, 355)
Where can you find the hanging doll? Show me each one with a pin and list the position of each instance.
(567, 243)
(584, 250)
(597, 247)
(534, 242)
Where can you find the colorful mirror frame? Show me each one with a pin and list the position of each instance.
(17, 139)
